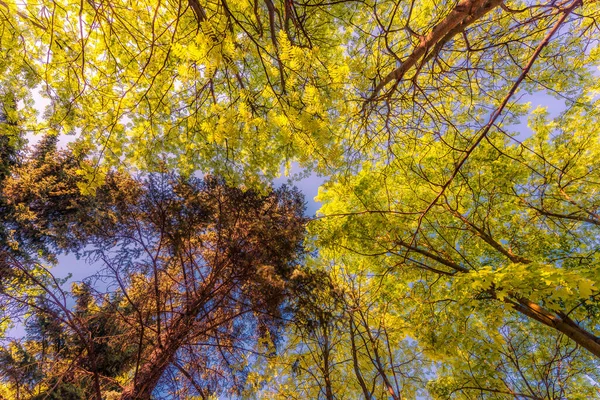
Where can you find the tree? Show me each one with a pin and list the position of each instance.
(43, 200)
(239, 88)
(482, 241)
(42, 206)
(199, 273)
(348, 342)
(205, 269)
(511, 241)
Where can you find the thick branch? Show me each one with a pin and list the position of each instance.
(559, 321)
(556, 320)
(464, 14)
(573, 217)
(198, 10)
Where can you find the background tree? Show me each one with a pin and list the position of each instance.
(204, 268)
(196, 272)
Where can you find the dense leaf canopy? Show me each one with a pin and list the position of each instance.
(456, 252)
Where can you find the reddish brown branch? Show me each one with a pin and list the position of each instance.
(464, 14)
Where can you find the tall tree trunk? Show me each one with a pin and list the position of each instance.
(153, 368)
(327, 365)
(357, 372)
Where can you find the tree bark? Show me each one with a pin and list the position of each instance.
(151, 371)
(559, 321)
(464, 14)
(359, 376)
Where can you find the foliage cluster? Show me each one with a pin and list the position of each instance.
(456, 252)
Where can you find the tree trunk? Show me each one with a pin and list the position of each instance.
(150, 372)
(160, 358)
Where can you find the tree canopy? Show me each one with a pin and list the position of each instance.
(193, 274)
(242, 87)
(456, 252)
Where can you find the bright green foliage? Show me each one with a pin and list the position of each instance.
(240, 87)
(461, 258)
(222, 92)
(517, 221)
(352, 342)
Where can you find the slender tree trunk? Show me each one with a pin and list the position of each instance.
(326, 365)
(359, 376)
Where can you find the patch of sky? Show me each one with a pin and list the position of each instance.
(553, 106)
(42, 103)
(69, 269)
(307, 183)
